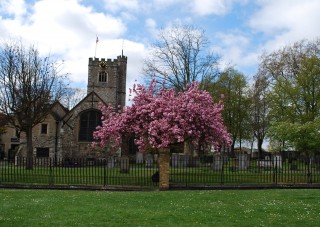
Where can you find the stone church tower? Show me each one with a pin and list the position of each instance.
(106, 85)
(107, 78)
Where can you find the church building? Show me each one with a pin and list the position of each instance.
(68, 133)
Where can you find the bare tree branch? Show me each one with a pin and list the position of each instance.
(29, 85)
(181, 56)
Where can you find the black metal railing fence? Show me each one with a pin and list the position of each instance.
(185, 171)
(222, 170)
(78, 172)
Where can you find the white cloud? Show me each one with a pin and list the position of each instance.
(116, 5)
(16, 8)
(287, 21)
(207, 7)
(66, 29)
(151, 25)
(234, 49)
(275, 24)
(160, 4)
(70, 22)
(212, 7)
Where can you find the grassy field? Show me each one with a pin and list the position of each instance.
(170, 208)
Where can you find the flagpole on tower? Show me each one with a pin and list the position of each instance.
(97, 40)
(122, 48)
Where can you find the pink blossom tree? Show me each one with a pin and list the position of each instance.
(159, 118)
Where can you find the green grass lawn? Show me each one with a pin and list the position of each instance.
(169, 208)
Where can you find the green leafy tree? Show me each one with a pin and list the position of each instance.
(294, 73)
(259, 109)
(303, 137)
(233, 86)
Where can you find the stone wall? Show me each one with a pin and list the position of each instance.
(70, 146)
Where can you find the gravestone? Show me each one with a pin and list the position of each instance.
(139, 158)
(124, 164)
(243, 161)
(267, 162)
(110, 162)
(179, 160)
(183, 160)
(217, 163)
(175, 160)
(149, 161)
(277, 161)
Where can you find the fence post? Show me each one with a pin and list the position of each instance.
(105, 173)
(164, 161)
(222, 173)
(309, 174)
(275, 168)
(50, 173)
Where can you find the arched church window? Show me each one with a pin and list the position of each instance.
(103, 77)
(89, 120)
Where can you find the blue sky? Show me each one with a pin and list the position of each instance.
(238, 30)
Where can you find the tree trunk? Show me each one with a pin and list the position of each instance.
(232, 154)
(251, 146)
(125, 145)
(29, 148)
(164, 163)
(188, 148)
(260, 142)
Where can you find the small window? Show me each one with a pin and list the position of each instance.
(43, 152)
(44, 128)
(17, 133)
(103, 77)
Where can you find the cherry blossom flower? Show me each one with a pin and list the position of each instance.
(163, 117)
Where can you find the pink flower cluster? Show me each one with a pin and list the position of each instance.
(163, 117)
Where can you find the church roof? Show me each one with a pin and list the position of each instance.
(93, 98)
(58, 111)
(91, 101)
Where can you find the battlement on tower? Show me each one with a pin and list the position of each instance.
(122, 57)
(119, 58)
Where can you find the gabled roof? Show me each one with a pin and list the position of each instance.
(92, 97)
(58, 111)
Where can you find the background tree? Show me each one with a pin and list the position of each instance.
(294, 73)
(233, 86)
(180, 56)
(302, 137)
(259, 109)
(29, 84)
